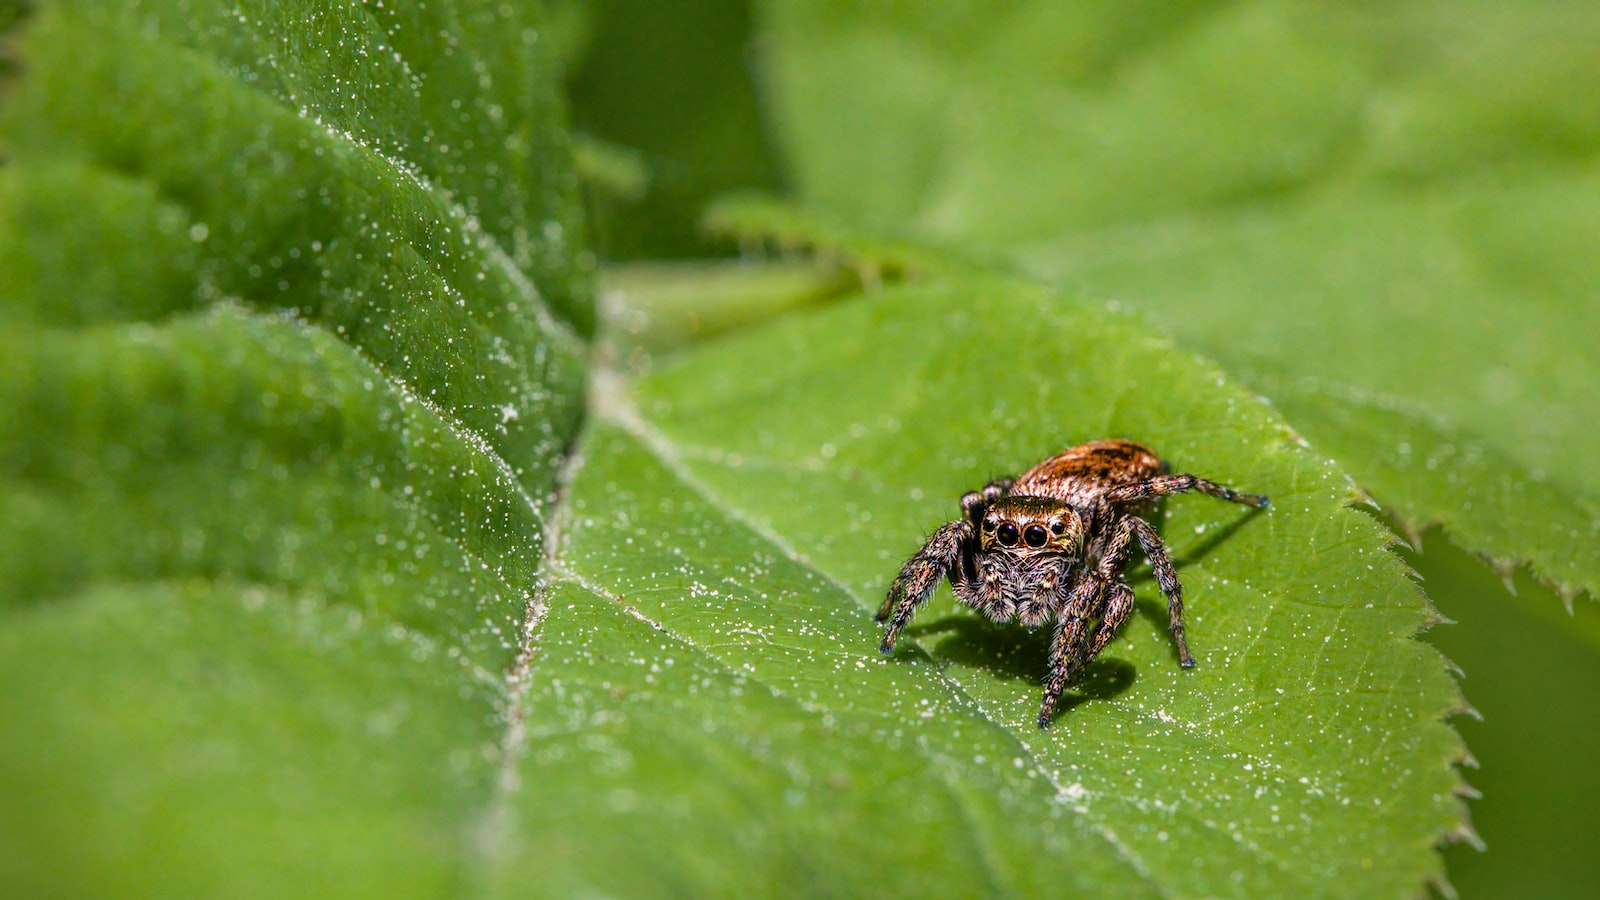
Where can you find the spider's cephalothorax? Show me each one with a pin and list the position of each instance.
(1052, 543)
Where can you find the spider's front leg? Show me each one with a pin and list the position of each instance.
(1097, 593)
(1069, 644)
(1129, 529)
(941, 555)
(1073, 648)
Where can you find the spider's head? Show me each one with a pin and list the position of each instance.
(1031, 526)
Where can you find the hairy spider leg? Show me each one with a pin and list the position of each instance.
(1164, 485)
(920, 575)
(1119, 605)
(1068, 653)
(1156, 552)
(975, 503)
(1110, 569)
(1167, 577)
(973, 507)
(1066, 645)
(997, 488)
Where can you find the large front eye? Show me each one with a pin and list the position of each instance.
(1006, 534)
(1035, 535)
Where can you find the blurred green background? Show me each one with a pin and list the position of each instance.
(676, 93)
(1531, 671)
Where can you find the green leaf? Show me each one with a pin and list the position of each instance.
(740, 513)
(281, 400)
(1381, 219)
(207, 738)
(294, 308)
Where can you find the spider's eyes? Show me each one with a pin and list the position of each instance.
(1035, 536)
(1058, 528)
(1007, 534)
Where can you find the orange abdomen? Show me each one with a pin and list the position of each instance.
(1091, 467)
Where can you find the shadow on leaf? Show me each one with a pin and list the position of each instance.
(1155, 611)
(1013, 653)
(1213, 539)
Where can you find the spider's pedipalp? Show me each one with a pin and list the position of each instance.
(1044, 590)
(991, 591)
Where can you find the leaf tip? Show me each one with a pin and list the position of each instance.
(1441, 885)
(1567, 591)
(1464, 833)
(1506, 568)
(1462, 708)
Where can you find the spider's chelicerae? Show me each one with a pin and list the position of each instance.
(1053, 543)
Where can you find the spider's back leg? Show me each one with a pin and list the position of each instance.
(975, 503)
(1167, 577)
(1163, 485)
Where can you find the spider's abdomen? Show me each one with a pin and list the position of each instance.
(1080, 474)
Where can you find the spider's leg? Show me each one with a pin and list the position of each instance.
(1119, 605)
(1113, 559)
(1167, 578)
(920, 575)
(1067, 645)
(923, 568)
(1162, 485)
(972, 507)
(1088, 600)
(975, 503)
(997, 488)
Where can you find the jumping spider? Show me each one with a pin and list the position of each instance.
(1053, 543)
